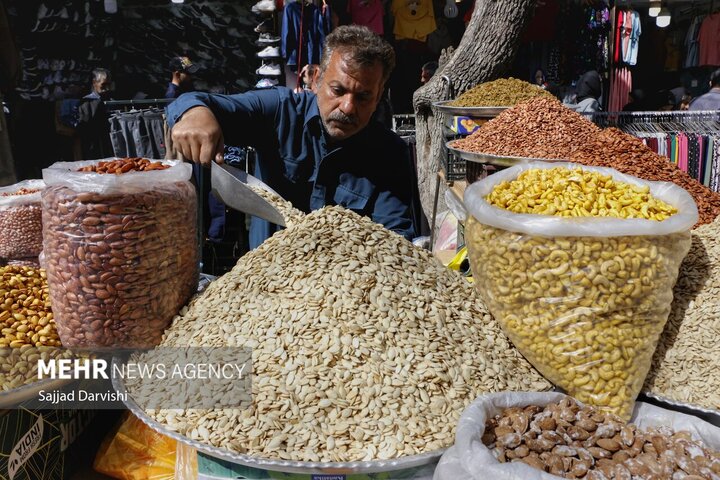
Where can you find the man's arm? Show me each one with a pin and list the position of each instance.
(201, 121)
(398, 194)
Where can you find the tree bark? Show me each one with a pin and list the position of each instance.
(486, 52)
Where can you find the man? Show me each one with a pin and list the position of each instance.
(92, 125)
(182, 70)
(101, 87)
(314, 149)
(427, 71)
(710, 100)
(308, 74)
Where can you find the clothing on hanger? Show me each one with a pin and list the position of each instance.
(414, 19)
(306, 23)
(709, 41)
(368, 13)
(138, 133)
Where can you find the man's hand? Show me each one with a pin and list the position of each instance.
(198, 136)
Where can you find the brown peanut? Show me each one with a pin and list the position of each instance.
(613, 451)
(119, 266)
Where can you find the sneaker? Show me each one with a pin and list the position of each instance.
(264, 6)
(266, 26)
(271, 69)
(266, 83)
(269, 52)
(268, 39)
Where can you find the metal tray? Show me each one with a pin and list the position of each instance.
(709, 415)
(287, 466)
(499, 160)
(472, 112)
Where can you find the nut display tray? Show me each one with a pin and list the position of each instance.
(709, 415)
(277, 465)
(499, 160)
(472, 112)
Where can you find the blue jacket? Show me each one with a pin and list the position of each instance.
(370, 173)
(315, 27)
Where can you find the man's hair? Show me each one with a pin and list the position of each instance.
(430, 67)
(100, 73)
(364, 47)
(715, 78)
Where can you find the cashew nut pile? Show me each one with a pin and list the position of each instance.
(570, 441)
(364, 346)
(577, 193)
(586, 311)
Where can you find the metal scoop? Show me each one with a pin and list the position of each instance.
(232, 186)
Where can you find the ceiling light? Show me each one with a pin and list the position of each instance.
(178, 1)
(663, 18)
(654, 9)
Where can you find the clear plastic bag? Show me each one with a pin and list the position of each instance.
(583, 299)
(134, 451)
(120, 252)
(470, 459)
(21, 220)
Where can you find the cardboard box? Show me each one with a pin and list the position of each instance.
(35, 443)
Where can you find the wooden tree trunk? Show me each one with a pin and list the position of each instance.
(486, 52)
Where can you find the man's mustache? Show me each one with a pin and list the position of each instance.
(340, 117)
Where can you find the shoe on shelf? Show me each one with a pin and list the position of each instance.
(266, 83)
(269, 52)
(264, 6)
(266, 26)
(268, 39)
(271, 69)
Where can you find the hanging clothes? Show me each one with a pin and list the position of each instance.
(368, 13)
(414, 19)
(692, 46)
(631, 31)
(709, 40)
(314, 23)
(620, 88)
(138, 134)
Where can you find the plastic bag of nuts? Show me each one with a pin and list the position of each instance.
(543, 436)
(583, 298)
(21, 220)
(120, 249)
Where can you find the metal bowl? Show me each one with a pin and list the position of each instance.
(707, 414)
(472, 112)
(499, 160)
(277, 465)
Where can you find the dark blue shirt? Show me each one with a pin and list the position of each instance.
(369, 173)
(173, 91)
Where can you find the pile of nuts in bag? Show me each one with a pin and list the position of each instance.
(571, 441)
(28, 328)
(364, 346)
(121, 253)
(21, 222)
(586, 311)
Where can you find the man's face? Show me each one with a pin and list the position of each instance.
(102, 86)
(348, 95)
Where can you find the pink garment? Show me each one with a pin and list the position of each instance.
(709, 40)
(683, 152)
(620, 88)
(368, 13)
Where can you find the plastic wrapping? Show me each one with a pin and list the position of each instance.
(21, 221)
(136, 452)
(470, 459)
(120, 252)
(583, 299)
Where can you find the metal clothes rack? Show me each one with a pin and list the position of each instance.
(120, 104)
(680, 118)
